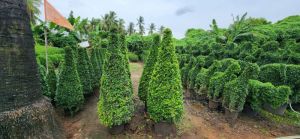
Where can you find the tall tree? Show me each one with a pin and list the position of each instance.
(140, 24)
(33, 9)
(121, 26)
(109, 20)
(24, 113)
(161, 30)
(152, 28)
(131, 29)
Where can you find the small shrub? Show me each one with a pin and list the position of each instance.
(165, 97)
(52, 81)
(43, 81)
(133, 57)
(69, 94)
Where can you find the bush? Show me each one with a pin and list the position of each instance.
(52, 81)
(267, 93)
(144, 55)
(115, 106)
(69, 93)
(195, 70)
(84, 71)
(43, 80)
(97, 69)
(165, 97)
(133, 57)
(148, 70)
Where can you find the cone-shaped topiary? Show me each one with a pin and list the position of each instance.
(115, 106)
(51, 81)
(124, 51)
(83, 71)
(148, 70)
(43, 80)
(165, 97)
(69, 94)
(97, 69)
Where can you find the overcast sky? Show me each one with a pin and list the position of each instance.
(179, 15)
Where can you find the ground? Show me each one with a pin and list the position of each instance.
(198, 122)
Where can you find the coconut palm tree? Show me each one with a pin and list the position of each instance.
(109, 20)
(140, 24)
(131, 29)
(21, 101)
(33, 9)
(161, 30)
(121, 26)
(152, 28)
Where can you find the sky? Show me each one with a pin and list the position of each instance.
(180, 15)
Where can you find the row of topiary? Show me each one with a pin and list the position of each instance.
(234, 83)
(77, 75)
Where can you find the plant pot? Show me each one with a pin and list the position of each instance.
(164, 128)
(296, 107)
(278, 111)
(115, 130)
(249, 111)
(231, 116)
(213, 105)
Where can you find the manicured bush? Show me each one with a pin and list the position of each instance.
(133, 57)
(194, 71)
(115, 106)
(267, 93)
(186, 69)
(69, 94)
(201, 79)
(97, 69)
(84, 71)
(43, 80)
(219, 79)
(148, 70)
(52, 81)
(165, 97)
(236, 91)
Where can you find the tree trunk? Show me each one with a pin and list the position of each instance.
(24, 112)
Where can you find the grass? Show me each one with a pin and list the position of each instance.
(41, 50)
(135, 67)
(289, 117)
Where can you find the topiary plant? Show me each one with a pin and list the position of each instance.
(165, 97)
(83, 71)
(69, 94)
(195, 70)
(148, 70)
(52, 81)
(97, 70)
(115, 106)
(43, 80)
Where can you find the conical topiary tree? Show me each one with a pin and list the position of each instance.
(96, 67)
(69, 94)
(51, 81)
(124, 51)
(115, 106)
(165, 97)
(83, 71)
(148, 70)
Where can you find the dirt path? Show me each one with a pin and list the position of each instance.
(198, 122)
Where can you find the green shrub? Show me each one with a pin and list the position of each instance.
(115, 106)
(43, 80)
(84, 71)
(69, 94)
(201, 79)
(186, 70)
(144, 55)
(148, 70)
(52, 81)
(133, 57)
(267, 93)
(236, 91)
(97, 69)
(200, 60)
(165, 97)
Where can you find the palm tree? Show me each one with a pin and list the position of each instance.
(109, 20)
(140, 24)
(152, 28)
(131, 29)
(161, 30)
(21, 101)
(121, 26)
(33, 9)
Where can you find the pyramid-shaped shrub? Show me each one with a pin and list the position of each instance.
(165, 97)
(69, 94)
(84, 71)
(148, 70)
(97, 69)
(115, 106)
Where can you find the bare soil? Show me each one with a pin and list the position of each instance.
(198, 122)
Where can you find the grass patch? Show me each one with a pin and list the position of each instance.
(289, 117)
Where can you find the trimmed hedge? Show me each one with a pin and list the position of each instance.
(43, 80)
(115, 106)
(97, 69)
(165, 97)
(267, 93)
(69, 94)
(52, 81)
(148, 70)
(84, 72)
(133, 57)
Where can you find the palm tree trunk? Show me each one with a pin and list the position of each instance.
(24, 112)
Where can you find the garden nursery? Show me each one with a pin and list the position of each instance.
(94, 78)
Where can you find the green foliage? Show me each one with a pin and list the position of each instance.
(133, 57)
(148, 70)
(97, 69)
(200, 60)
(69, 94)
(43, 80)
(267, 93)
(115, 106)
(55, 55)
(84, 71)
(52, 81)
(165, 97)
